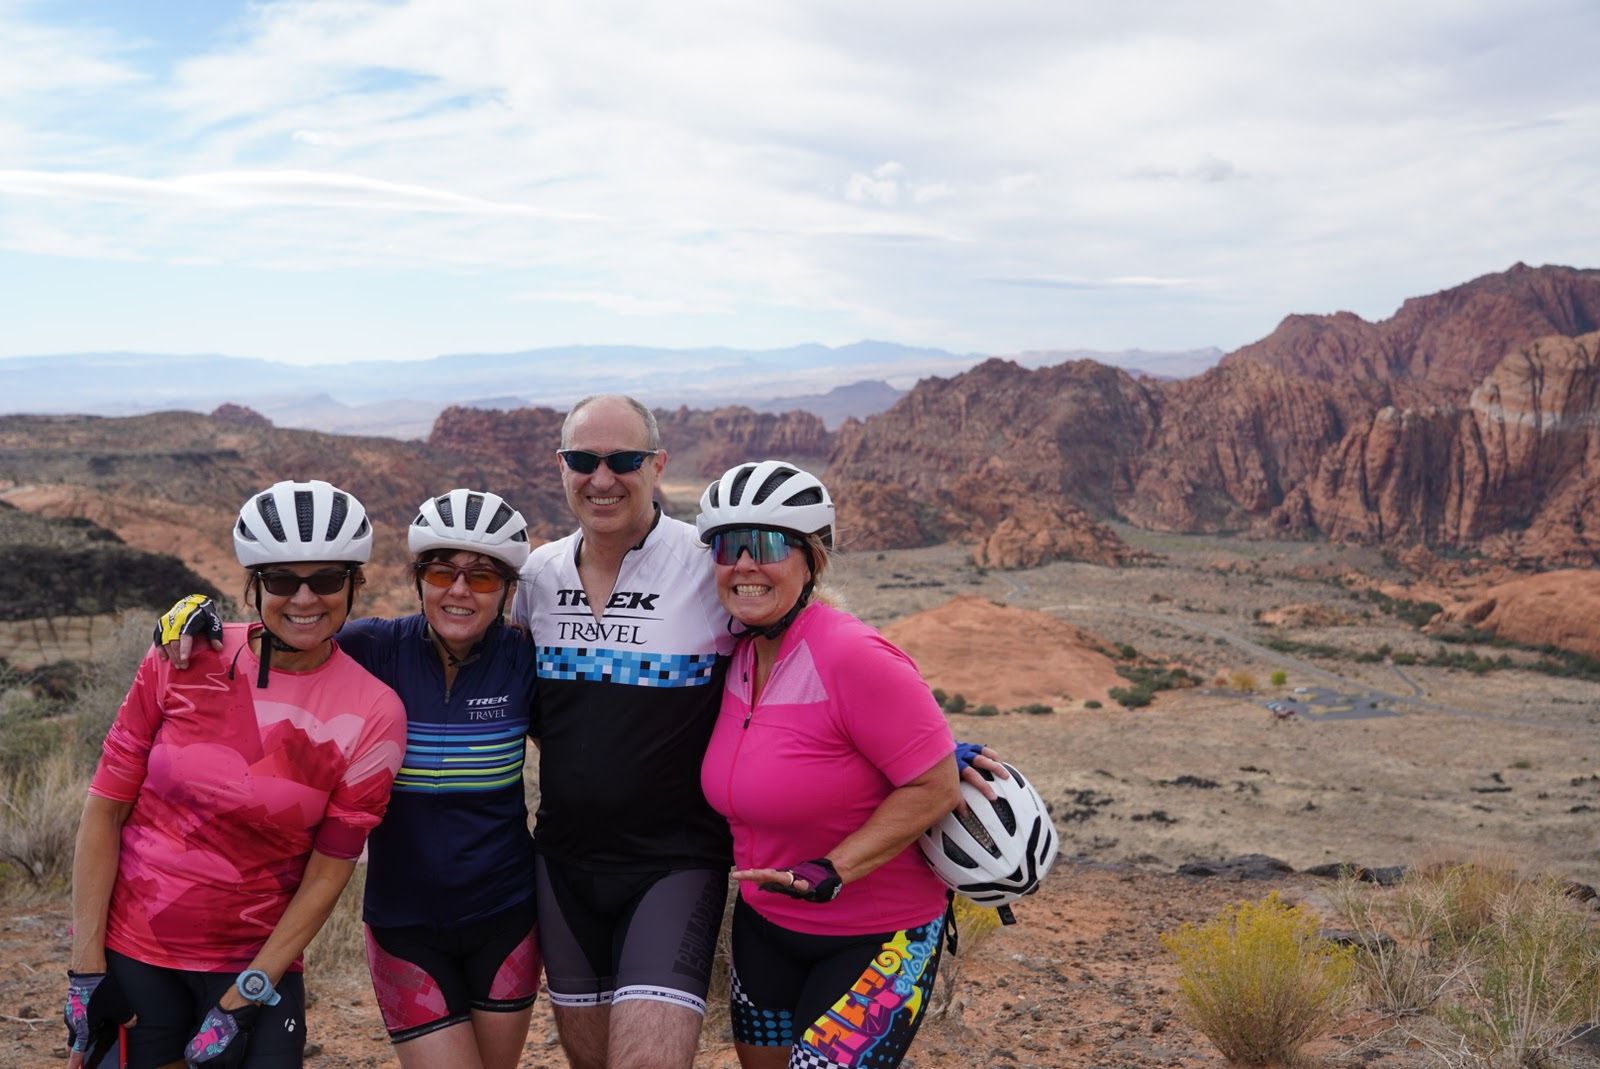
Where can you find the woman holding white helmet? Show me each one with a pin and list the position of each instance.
(829, 759)
(451, 941)
(229, 807)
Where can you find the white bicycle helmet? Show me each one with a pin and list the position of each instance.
(767, 493)
(473, 520)
(997, 851)
(295, 522)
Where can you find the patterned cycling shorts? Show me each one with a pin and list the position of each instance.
(836, 1001)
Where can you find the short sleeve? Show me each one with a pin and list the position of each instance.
(888, 710)
(358, 802)
(125, 754)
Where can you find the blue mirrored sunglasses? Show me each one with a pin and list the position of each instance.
(621, 462)
(765, 545)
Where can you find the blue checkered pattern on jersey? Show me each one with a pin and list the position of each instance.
(626, 666)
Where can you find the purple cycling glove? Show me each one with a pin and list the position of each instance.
(818, 873)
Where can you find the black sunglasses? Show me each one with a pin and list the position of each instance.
(621, 462)
(288, 584)
(764, 544)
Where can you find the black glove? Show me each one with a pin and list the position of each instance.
(820, 876)
(193, 615)
(223, 1038)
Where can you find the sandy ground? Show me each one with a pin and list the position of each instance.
(1508, 762)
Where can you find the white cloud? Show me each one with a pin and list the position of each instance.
(759, 174)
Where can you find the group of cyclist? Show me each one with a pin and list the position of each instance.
(695, 700)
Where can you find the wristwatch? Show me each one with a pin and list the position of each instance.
(253, 986)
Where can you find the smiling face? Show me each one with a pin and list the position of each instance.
(760, 594)
(459, 615)
(608, 505)
(306, 620)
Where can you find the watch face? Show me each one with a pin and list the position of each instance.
(253, 985)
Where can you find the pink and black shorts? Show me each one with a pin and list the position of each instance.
(431, 978)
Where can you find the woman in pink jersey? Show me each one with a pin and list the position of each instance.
(829, 759)
(229, 806)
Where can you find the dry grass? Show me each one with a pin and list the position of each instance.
(340, 948)
(1509, 963)
(1258, 981)
(39, 809)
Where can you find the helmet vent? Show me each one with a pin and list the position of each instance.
(501, 515)
(269, 512)
(958, 855)
(976, 829)
(1008, 818)
(445, 512)
(809, 496)
(474, 509)
(421, 521)
(244, 532)
(773, 481)
(305, 514)
(738, 483)
(337, 515)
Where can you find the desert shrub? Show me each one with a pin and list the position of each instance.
(1036, 709)
(1279, 677)
(1458, 898)
(1127, 652)
(1092, 703)
(1396, 972)
(39, 809)
(984, 710)
(957, 703)
(1258, 981)
(1242, 681)
(940, 696)
(1536, 980)
(1130, 697)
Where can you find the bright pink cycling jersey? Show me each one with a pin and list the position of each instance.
(844, 719)
(232, 788)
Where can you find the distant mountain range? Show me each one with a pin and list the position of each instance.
(401, 399)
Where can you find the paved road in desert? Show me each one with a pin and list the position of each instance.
(1286, 661)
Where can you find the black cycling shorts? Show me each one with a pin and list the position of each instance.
(836, 1000)
(172, 1002)
(615, 936)
(428, 978)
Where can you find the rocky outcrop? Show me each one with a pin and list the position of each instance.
(1513, 469)
(1462, 422)
(1560, 609)
(718, 439)
(27, 645)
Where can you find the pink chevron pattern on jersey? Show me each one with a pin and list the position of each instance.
(232, 788)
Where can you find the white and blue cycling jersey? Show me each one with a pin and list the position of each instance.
(454, 845)
(627, 700)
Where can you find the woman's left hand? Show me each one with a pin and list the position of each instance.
(985, 758)
(786, 882)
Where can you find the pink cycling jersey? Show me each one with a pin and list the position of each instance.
(232, 788)
(844, 719)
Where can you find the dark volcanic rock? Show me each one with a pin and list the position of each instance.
(1243, 867)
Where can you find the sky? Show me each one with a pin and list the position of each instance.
(349, 179)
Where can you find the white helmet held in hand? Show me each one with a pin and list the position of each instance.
(997, 851)
(472, 520)
(297, 522)
(767, 493)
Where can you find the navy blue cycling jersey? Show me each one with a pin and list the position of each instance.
(454, 845)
